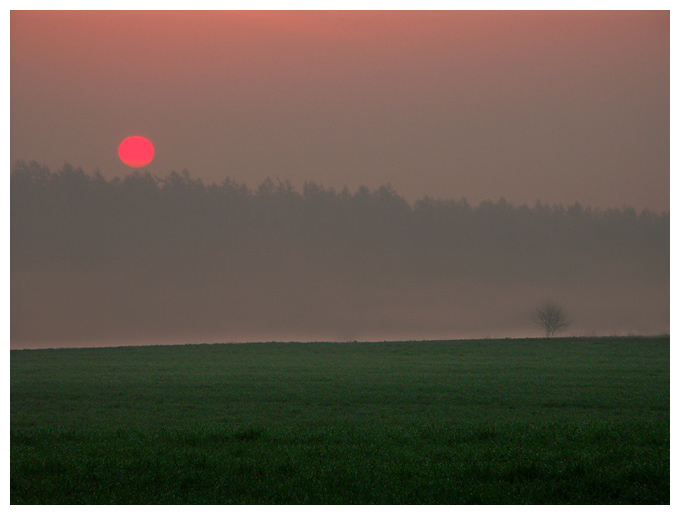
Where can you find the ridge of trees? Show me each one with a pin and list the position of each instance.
(186, 193)
(69, 212)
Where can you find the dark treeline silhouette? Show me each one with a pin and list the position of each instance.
(170, 258)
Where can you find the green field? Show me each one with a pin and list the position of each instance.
(561, 421)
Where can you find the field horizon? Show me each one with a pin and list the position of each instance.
(331, 341)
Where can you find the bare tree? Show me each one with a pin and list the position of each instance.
(551, 317)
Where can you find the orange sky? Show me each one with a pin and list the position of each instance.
(556, 106)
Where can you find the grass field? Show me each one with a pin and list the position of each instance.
(561, 421)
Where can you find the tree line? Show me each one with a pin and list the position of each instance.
(157, 237)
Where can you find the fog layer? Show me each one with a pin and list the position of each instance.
(154, 260)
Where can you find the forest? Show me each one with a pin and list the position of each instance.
(144, 258)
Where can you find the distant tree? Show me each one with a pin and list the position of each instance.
(551, 317)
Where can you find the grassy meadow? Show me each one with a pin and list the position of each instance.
(560, 421)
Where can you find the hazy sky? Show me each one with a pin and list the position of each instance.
(556, 106)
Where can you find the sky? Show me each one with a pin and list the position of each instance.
(552, 106)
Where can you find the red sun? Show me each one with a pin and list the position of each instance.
(136, 151)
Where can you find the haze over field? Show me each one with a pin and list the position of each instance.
(351, 175)
(172, 260)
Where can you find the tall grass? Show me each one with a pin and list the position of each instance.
(497, 421)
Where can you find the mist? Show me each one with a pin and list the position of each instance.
(148, 259)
